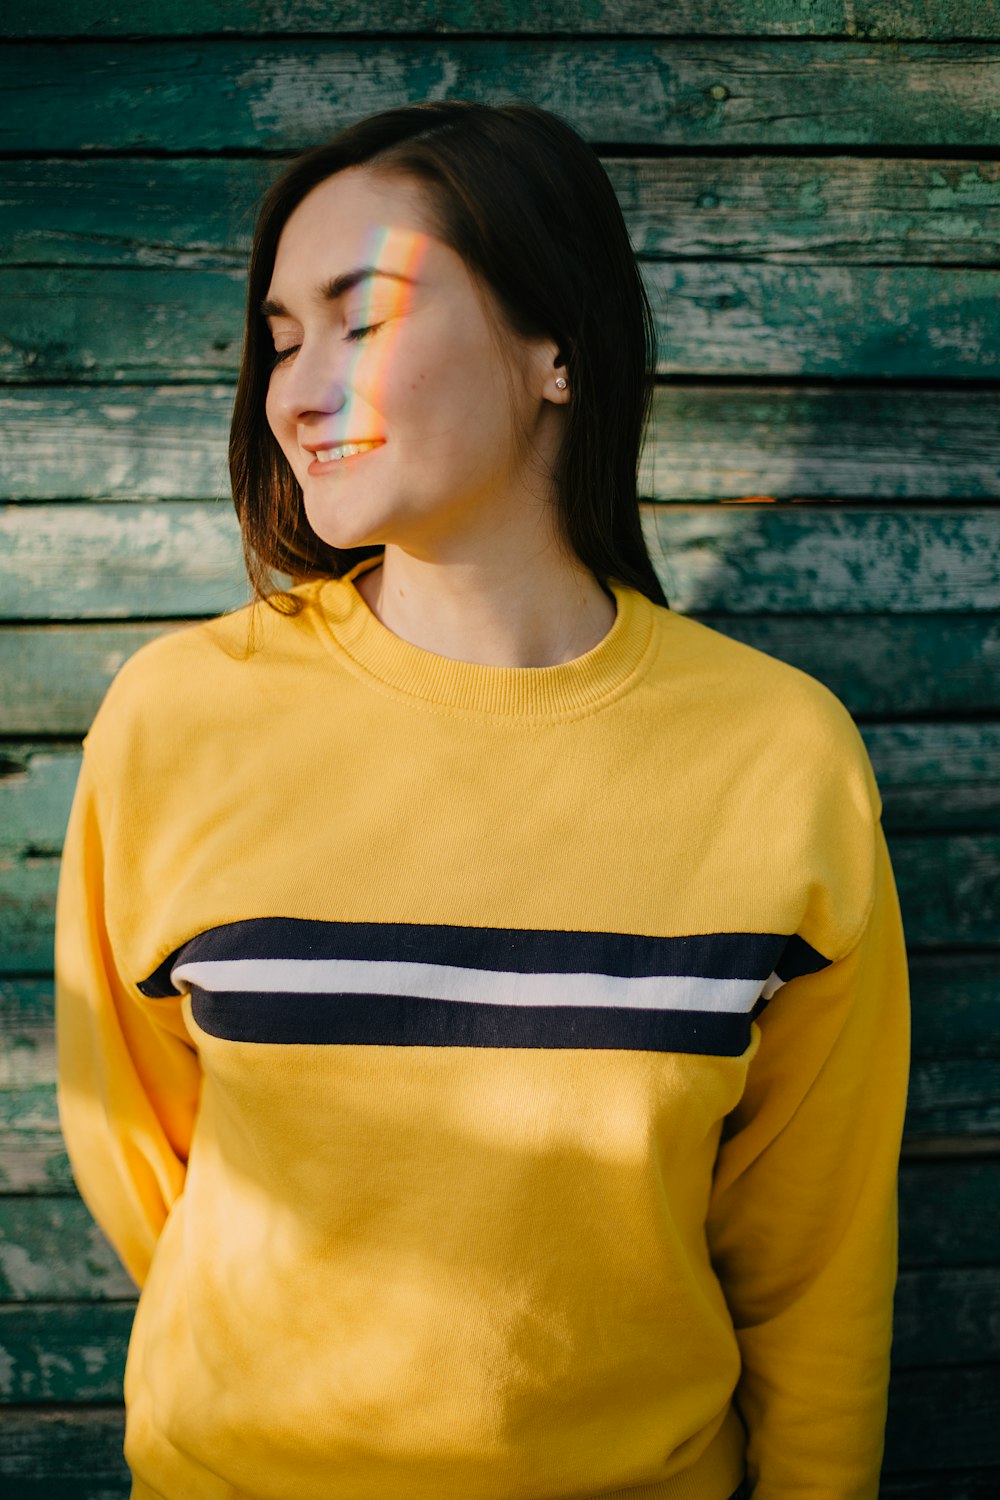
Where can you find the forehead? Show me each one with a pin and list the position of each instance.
(356, 218)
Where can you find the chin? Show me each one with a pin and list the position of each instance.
(342, 535)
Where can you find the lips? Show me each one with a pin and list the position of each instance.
(326, 459)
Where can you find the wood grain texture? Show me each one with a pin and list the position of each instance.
(221, 95)
(118, 561)
(882, 19)
(892, 444)
(837, 211)
(73, 1454)
(720, 318)
(944, 1419)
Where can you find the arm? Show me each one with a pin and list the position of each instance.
(802, 1223)
(128, 1075)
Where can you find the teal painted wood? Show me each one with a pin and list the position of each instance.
(51, 1250)
(72, 1454)
(53, 677)
(944, 776)
(214, 95)
(882, 19)
(719, 319)
(63, 1351)
(964, 1484)
(116, 561)
(752, 559)
(128, 211)
(706, 443)
(944, 1419)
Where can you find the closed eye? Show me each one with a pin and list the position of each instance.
(353, 335)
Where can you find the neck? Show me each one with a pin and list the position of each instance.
(545, 609)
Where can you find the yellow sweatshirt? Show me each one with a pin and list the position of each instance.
(492, 1076)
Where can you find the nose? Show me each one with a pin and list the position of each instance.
(315, 381)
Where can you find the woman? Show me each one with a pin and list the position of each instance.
(482, 1001)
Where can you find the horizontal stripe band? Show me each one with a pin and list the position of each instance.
(484, 987)
(718, 955)
(414, 1022)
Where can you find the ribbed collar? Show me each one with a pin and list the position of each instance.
(513, 692)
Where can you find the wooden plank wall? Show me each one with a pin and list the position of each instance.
(814, 191)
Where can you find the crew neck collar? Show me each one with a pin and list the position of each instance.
(553, 692)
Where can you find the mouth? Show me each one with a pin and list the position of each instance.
(327, 459)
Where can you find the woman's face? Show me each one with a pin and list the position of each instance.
(403, 364)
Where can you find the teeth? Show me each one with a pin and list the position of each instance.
(331, 455)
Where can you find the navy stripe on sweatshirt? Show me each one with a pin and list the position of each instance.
(289, 980)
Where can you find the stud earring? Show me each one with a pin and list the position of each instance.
(561, 383)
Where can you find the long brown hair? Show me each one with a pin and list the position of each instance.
(524, 200)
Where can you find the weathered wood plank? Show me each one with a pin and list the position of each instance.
(183, 213)
(63, 1352)
(963, 1484)
(955, 1000)
(949, 891)
(954, 1099)
(944, 1419)
(51, 1250)
(56, 676)
(719, 318)
(883, 19)
(759, 559)
(808, 210)
(282, 95)
(941, 775)
(53, 677)
(73, 1454)
(705, 443)
(116, 561)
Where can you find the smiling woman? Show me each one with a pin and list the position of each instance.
(482, 1011)
(419, 283)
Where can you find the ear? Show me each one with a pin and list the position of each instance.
(553, 374)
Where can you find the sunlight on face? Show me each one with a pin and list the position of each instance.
(404, 363)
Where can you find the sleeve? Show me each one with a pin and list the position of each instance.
(128, 1075)
(802, 1223)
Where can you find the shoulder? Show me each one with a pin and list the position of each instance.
(196, 676)
(759, 694)
(779, 757)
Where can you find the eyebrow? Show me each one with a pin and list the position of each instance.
(336, 287)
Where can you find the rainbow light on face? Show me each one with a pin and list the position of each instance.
(401, 252)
